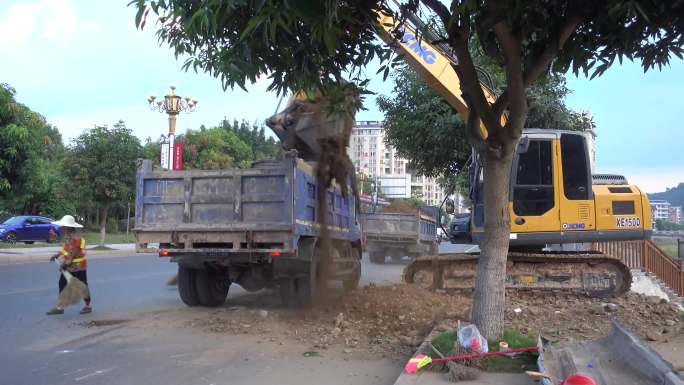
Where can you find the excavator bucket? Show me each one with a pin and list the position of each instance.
(304, 125)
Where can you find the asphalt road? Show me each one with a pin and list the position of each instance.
(36, 349)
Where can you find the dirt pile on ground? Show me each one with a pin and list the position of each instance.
(575, 317)
(385, 321)
(391, 321)
(400, 206)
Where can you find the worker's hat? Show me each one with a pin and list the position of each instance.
(67, 221)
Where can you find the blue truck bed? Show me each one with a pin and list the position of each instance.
(257, 227)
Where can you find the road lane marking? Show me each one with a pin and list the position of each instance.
(93, 374)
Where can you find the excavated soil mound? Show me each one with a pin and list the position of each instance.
(401, 207)
(391, 321)
(385, 321)
(575, 317)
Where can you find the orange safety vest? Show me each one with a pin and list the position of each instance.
(74, 251)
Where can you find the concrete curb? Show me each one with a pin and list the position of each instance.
(411, 379)
(9, 259)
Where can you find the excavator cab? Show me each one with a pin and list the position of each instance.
(553, 199)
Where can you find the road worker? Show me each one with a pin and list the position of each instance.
(73, 259)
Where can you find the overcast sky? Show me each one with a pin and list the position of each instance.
(83, 62)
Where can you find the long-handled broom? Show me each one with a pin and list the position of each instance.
(74, 291)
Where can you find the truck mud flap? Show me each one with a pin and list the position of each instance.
(617, 359)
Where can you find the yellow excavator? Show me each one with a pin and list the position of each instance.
(554, 198)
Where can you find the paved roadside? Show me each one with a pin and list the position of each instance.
(40, 254)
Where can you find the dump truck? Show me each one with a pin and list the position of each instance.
(257, 227)
(396, 235)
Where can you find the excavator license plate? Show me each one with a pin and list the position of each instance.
(526, 279)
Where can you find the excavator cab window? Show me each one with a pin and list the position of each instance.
(576, 176)
(533, 187)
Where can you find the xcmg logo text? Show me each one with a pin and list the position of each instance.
(409, 39)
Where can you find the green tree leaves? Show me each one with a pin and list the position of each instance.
(297, 44)
(227, 145)
(102, 164)
(30, 150)
(215, 148)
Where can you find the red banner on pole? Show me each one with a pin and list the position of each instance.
(178, 156)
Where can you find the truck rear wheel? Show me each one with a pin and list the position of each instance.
(307, 287)
(186, 286)
(212, 288)
(377, 257)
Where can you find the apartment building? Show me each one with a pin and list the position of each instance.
(372, 157)
(660, 210)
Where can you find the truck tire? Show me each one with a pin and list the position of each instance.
(353, 281)
(186, 286)
(212, 288)
(306, 287)
(377, 257)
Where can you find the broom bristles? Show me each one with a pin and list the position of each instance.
(458, 372)
(74, 291)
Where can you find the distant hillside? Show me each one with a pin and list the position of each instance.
(673, 195)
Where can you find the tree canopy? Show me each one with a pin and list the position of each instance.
(101, 168)
(229, 144)
(29, 152)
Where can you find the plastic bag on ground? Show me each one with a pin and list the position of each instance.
(469, 337)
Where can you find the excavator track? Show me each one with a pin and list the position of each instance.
(591, 273)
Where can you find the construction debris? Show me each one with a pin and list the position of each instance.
(392, 321)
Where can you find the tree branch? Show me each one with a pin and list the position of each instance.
(501, 103)
(515, 91)
(551, 51)
(471, 88)
(441, 10)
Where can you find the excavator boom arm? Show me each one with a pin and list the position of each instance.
(431, 63)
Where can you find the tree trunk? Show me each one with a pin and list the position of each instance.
(490, 287)
(103, 224)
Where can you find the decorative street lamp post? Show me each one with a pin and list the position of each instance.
(172, 104)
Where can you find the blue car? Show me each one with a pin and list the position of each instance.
(28, 229)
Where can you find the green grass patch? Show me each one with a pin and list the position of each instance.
(516, 364)
(519, 363)
(445, 342)
(93, 238)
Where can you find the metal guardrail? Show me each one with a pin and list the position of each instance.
(647, 256)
